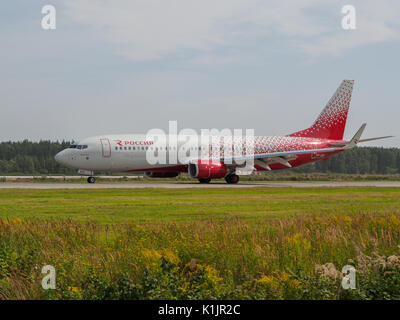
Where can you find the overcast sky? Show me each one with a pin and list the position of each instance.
(128, 66)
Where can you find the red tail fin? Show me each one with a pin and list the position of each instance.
(332, 120)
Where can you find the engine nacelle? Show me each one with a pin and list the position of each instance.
(161, 174)
(204, 169)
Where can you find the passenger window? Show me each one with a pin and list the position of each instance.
(120, 148)
(133, 148)
(116, 148)
(129, 148)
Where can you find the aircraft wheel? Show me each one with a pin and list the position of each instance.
(232, 178)
(91, 180)
(205, 180)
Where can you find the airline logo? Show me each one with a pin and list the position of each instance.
(122, 143)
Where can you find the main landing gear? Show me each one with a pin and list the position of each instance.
(232, 178)
(91, 180)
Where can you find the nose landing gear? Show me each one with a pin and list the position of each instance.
(91, 180)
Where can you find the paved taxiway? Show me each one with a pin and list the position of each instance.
(181, 185)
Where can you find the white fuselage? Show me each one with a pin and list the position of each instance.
(119, 153)
(122, 153)
(113, 153)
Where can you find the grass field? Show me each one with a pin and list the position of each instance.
(183, 177)
(159, 205)
(256, 243)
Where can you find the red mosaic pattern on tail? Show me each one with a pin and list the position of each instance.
(332, 120)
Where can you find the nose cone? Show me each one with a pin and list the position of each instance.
(61, 157)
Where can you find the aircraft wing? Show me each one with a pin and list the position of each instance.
(264, 159)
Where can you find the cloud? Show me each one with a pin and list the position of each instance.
(377, 22)
(152, 29)
(156, 29)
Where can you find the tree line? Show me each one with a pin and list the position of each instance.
(27, 157)
(360, 160)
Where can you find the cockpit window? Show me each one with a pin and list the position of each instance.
(82, 147)
(73, 146)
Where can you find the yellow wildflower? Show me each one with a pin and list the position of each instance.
(151, 254)
(266, 280)
(395, 220)
(76, 290)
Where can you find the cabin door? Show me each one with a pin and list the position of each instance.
(106, 148)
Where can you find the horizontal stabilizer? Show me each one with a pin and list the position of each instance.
(356, 139)
(372, 139)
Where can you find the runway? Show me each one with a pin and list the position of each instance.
(183, 185)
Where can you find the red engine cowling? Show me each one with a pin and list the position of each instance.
(161, 174)
(204, 169)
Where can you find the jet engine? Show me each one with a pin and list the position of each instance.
(207, 169)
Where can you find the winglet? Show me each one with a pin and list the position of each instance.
(353, 142)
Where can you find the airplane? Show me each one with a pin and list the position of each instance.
(127, 153)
